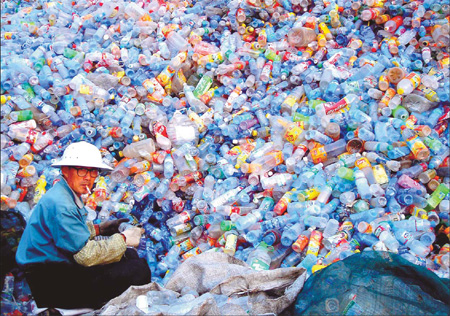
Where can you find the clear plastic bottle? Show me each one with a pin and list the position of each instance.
(259, 259)
(408, 84)
(291, 234)
(301, 36)
(362, 185)
(182, 130)
(143, 148)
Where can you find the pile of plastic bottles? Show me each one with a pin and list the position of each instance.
(284, 133)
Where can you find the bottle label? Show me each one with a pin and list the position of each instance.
(336, 239)
(444, 63)
(277, 155)
(292, 133)
(314, 243)
(388, 95)
(115, 132)
(31, 136)
(122, 208)
(203, 86)
(318, 155)
(428, 93)
(191, 253)
(180, 76)
(346, 226)
(217, 57)
(212, 58)
(290, 101)
(180, 229)
(353, 86)
(146, 165)
(193, 176)
(414, 79)
(230, 245)
(165, 75)
(198, 121)
(405, 237)
(259, 265)
(417, 147)
(381, 228)
(266, 204)
(298, 117)
(352, 307)
(186, 245)
(311, 194)
(438, 195)
(235, 151)
(281, 205)
(380, 174)
(159, 128)
(185, 216)
(300, 244)
(362, 163)
(85, 89)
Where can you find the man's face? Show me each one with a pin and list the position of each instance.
(79, 178)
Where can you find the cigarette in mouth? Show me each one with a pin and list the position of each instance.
(89, 191)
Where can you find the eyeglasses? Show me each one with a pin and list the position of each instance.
(82, 172)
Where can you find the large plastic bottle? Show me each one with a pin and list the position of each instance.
(143, 148)
(259, 259)
(301, 36)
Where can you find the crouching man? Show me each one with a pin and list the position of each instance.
(64, 266)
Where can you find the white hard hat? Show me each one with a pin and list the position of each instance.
(82, 154)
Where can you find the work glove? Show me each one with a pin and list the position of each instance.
(109, 228)
(133, 236)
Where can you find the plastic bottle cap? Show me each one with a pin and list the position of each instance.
(4, 99)
(400, 91)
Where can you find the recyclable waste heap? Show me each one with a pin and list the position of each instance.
(283, 133)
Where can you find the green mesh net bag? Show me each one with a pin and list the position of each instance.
(373, 283)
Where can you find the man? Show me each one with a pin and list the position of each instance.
(64, 266)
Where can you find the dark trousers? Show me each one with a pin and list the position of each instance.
(69, 286)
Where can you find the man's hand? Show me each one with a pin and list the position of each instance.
(109, 228)
(133, 236)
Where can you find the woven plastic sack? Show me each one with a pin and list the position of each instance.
(125, 304)
(373, 283)
(215, 275)
(269, 292)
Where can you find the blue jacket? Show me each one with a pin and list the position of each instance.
(56, 230)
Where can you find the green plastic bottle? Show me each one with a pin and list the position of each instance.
(437, 196)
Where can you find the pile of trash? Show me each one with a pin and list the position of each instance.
(281, 133)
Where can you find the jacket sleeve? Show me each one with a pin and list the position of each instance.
(91, 228)
(97, 252)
